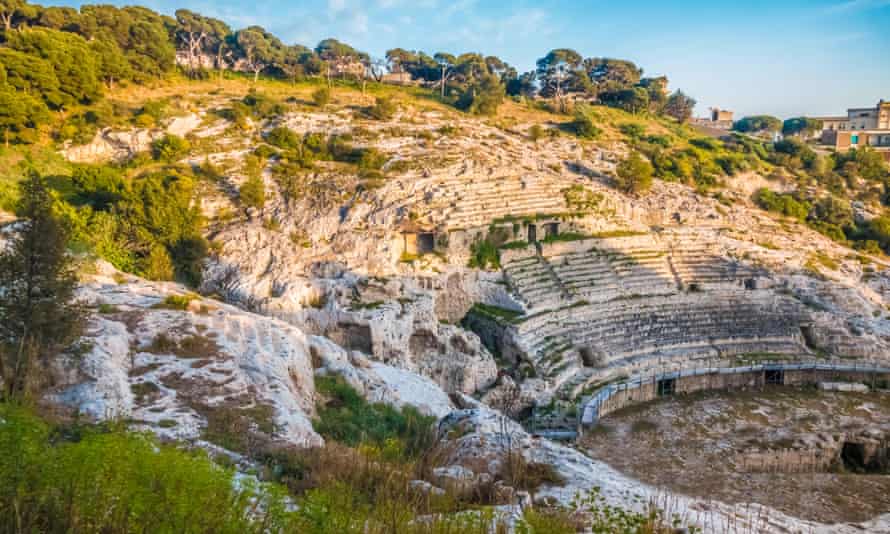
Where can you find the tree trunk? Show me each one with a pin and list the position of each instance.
(219, 65)
(443, 84)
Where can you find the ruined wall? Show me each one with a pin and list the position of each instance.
(713, 381)
(788, 461)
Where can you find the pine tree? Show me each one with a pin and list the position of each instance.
(38, 315)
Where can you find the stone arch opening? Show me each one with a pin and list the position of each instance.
(667, 386)
(774, 377)
(865, 458)
(551, 229)
(590, 357)
(426, 242)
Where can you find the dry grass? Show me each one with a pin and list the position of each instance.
(192, 346)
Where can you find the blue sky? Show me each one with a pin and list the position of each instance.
(783, 58)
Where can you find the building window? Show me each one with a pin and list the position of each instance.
(854, 139)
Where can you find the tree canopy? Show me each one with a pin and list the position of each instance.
(801, 125)
(757, 123)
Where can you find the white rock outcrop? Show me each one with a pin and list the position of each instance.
(167, 369)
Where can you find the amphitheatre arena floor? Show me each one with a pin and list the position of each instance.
(692, 444)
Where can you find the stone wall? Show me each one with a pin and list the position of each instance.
(628, 394)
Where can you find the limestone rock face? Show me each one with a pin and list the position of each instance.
(171, 369)
(109, 145)
(378, 382)
(116, 145)
(407, 335)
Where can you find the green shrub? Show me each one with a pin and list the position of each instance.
(634, 175)
(321, 97)
(706, 143)
(124, 220)
(188, 256)
(564, 236)
(261, 106)
(284, 138)
(632, 130)
(265, 152)
(484, 255)
(175, 302)
(584, 127)
(170, 148)
(346, 417)
(252, 193)
(384, 108)
(372, 159)
(158, 265)
(782, 203)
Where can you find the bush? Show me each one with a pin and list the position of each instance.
(283, 137)
(706, 143)
(782, 203)
(536, 132)
(634, 174)
(632, 130)
(170, 148)
(384, 109)
(372, 159)
(482, 97)
(321, 97)
(262, 106)
(175, 302)
(188, 257)
(158, 265)
(584, 127)
(346, 417)
(879, 228)
(484, 255)
(252, 193)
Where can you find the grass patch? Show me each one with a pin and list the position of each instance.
(514, 245)
(820, 258)
(238, 428)
(501, 315)
(615, 233)
(346, 417)
(73, 477)
(105, 308)
(175, 302)
(192, 346)
(565, 236)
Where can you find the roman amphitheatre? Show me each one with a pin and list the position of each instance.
(646, 298)
(342, 290)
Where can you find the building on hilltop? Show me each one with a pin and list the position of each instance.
(721, 115)
(861, 127)
(716, 124)
(720, 119)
